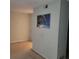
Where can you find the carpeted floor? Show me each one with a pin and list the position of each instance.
(23, 51)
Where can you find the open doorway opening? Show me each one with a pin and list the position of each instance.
(20, 29)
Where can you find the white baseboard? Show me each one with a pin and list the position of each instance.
(17, 41)
(40, 54)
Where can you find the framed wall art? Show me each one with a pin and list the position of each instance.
(43, 21)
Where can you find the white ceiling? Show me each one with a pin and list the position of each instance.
(26, 6)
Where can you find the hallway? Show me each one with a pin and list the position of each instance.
(23, 50)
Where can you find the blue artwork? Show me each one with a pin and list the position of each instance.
(43, 21)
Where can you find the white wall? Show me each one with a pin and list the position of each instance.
(20, 26)
(45, 41)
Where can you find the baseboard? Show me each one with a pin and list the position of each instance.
(18, 41)
(38, 53)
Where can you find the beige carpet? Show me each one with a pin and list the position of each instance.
(23, 51)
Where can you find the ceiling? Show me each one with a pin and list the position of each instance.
(26, 6)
